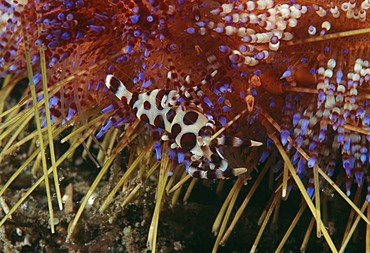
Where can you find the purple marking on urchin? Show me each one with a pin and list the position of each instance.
(243, 74)
(267, 152)
(104, 129)
(220, 100)
(109, 108)
(123, 58)
(147, 52)
(359, 178)
(340, 136)
(222, 121)
(322, 134)
(96, 28)
(312, 145)
(310, 191)
(157, 148)
(331, 168)
(363, 156)
(296, 118)
(52, 61)
(278, 166)
(236, 58)
(65, 55)
(43, 124)
(52, 45)
(49, 37)
(79, 35)
(191, 30)
(172, 46)
(216, 91)
(367, 77)
(61, 16)
(252, 119)
(46, 22)
(224, 49)
(37, 77)
(331, 89)
(360, 111)
(101, 17)
(69, 4)
(349, 83)
(99, 85)
(69, 17)
(155, 65)
(223, 89)
(243, 48)
(264, 156)
(284, 134)
(339, 76)
(45, 31)
(226, 108)
(247, 39)
(120, 122)
(286, 74)
(137, 33)
(219, 29)
(346, 165)
(180, 157)
(312, 161)
(12, 67)
(53, 101)
(368, 195)
(171, 153)
(242, 94)
(208, 102)
(55, 23)
(129, 49)
(38, 42)
(304, 125)
(105, 89)
(300, 166)
(134, 18)
(348, 186)
(141, 75)
(260, 56)
(71, 112)
(216, 11)
(347, 144)
(147, 83)
(257, 72)
(89, 85)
